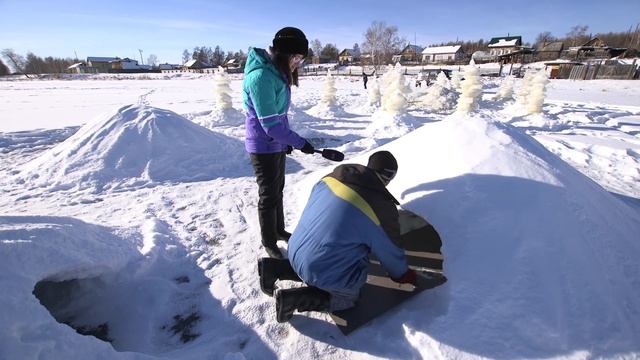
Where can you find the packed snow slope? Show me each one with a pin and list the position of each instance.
(137, 146)
(540, 259)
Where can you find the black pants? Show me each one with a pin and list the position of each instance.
(269, 170)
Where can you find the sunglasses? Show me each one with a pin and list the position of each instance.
(299, 59)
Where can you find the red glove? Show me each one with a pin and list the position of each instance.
(409, 277)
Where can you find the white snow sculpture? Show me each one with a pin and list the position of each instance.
(221, 89)
(440, 95)
(329, 95)
(505, 91)
(522, 92)
(535, 99)
(396, 91)
(374, 93)
(455, 80)
(471, 88)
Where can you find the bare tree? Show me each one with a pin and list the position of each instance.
(381, 42)
(152, 60)
(578, 34)
(544, 38)
(186, 56)
(16, 60)
(316, 46)
(217, 56)
(4, 70)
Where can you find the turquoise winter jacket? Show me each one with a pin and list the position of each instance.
(266, 97)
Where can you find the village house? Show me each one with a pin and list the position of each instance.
(101, 64)
(349, 56)
(128, 65)
(195, 65)
(81, 68)
(549, 50)
(234, 65)
(410, 53)
(594, 48)
(442, 54)
(167, 66)
(504, 45)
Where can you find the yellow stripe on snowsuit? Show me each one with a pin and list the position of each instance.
(346, 193)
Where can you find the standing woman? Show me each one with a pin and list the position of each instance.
(266, 93)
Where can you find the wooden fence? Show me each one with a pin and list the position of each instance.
(598, 72)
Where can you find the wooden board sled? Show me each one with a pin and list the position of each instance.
(422, 247)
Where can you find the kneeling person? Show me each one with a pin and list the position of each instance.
(350, 213)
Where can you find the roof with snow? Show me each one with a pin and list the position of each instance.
(505, 41)
(350, 52)
(196, 64)
(442, 49)
(414, 48)
(552, 46)
(77, 65)
(101, 59)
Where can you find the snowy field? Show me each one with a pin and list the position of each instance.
(129, 208)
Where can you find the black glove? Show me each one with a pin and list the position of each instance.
(307, 148)
(409, 277)
(289, 149)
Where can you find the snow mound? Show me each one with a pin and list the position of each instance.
(221, 117)
(140, 294)
(137, 146)
(541, 260)
(325, 111)
(385, 125)
(535, 252)
(57, 249)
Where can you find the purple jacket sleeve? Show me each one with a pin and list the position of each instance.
(275, 127)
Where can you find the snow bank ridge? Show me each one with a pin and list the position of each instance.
(135, 147)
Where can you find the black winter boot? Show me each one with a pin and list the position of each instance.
(284, 235)
(273, 251)
(271, 270)
(307, 298)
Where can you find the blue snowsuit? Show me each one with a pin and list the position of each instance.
(349, 214)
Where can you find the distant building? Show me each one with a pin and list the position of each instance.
(410, 53)
(81, 68)
(234, 65)
(101, 64)
(550, 50)
(504, 45)
(441, 54)
(482, 57)
(128, 64)
(349, 56)
(195, 65)
(594, 48)
(167, 66)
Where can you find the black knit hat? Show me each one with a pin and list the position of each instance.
(384, 164)
(290, 40)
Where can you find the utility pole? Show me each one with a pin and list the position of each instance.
(141, 61)
(76, 55)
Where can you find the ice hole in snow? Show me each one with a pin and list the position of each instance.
(102, 307)
(58, 296)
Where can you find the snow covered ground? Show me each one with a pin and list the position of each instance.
(140, 227)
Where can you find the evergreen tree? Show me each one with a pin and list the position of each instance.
(329, 53)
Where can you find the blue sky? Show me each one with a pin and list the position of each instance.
(165, 28)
